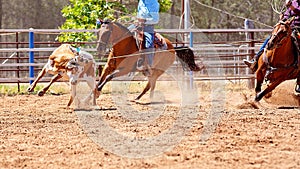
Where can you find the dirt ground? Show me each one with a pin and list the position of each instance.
(40, 132)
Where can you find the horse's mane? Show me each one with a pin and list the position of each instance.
(123, 27)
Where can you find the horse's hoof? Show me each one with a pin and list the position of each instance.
(132, 100)
(41, 93)
(257, 99)
(99, 88)
(29, 89)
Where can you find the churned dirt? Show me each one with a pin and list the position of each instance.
(40, 132)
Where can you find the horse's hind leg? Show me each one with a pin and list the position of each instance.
(153, 80)
(144, 91)
(151, 84)
(53, 79)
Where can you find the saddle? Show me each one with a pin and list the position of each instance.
(159, 40)
(159, 43)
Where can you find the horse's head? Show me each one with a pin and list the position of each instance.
(111, 32)
(280, 34)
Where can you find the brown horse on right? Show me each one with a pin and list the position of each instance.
(277, 63)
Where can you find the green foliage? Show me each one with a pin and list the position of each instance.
(165, 5)
(82, 14)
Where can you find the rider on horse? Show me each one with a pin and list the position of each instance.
(148, 16)
(293, 10)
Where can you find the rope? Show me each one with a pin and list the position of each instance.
(15, 53)
(139, 53)
(230, 14)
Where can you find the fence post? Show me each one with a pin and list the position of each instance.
(31, 55)
(191, 73)
(18, 60)
(250, 37)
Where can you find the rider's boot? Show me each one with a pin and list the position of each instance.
(143, 66)
(252, 64)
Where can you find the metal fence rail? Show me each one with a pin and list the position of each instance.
(223, 58)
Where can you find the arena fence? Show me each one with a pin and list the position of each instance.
(23, 52)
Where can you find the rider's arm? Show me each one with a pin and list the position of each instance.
(294, 7)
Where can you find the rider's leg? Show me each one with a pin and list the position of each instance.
(296, 47)
(149, 45)
(253, 63)
(296, 57)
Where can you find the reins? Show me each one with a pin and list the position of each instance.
(272, 69)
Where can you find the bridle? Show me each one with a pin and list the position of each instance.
(283, 38)
(115, 40)
(109, 33)
(110, 30)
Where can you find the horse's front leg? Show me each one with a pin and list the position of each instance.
(260, 76)
(108, 78)
(53, 79)
(271, 87)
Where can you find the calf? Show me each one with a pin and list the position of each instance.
(60, 66)
(82, 69)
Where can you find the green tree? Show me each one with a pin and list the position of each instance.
(165, 5)
(82, 14)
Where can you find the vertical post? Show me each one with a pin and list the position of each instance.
(191, 72)
(18, 59)
(187, 26)
(186, 16)
(31, 55)
(250, 37)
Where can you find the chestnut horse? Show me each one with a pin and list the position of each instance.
(277, 63)
(124, 54)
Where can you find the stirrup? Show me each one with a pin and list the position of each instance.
(140, 64)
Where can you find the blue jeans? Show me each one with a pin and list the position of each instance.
(261, 50)
(149, 42)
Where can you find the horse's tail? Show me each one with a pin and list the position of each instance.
(187, 58)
